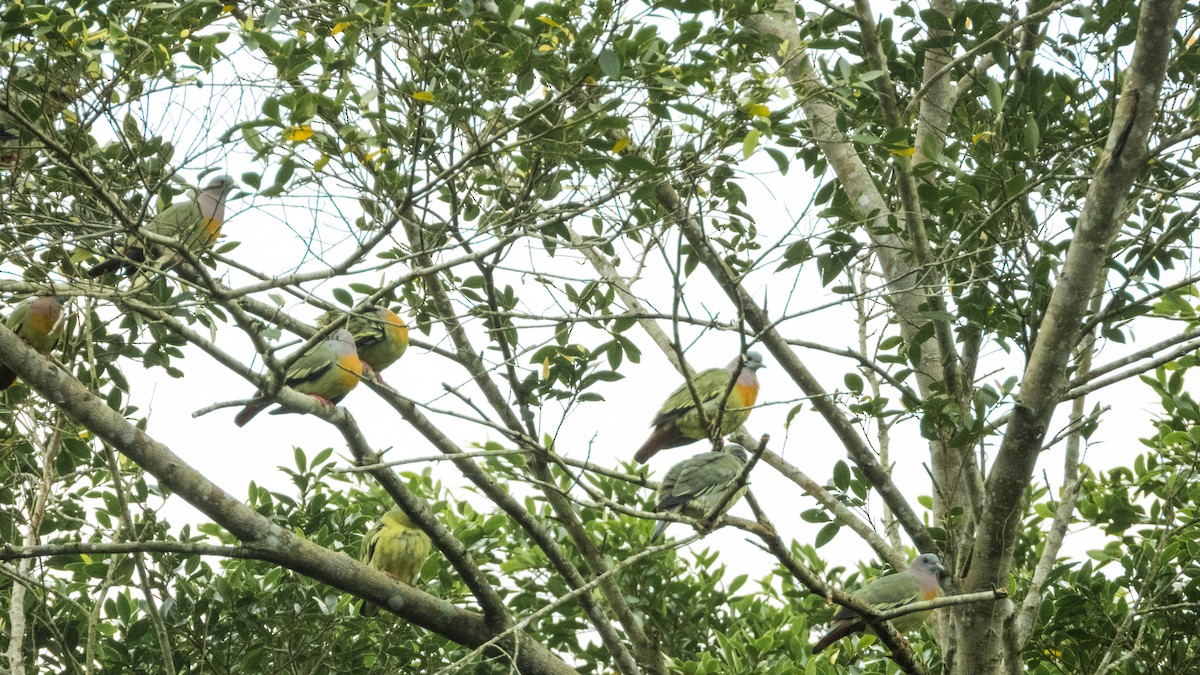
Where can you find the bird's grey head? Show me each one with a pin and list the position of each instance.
(930, 563)
(341, 335)
(737, 451)
(752, 361)
(225, 184)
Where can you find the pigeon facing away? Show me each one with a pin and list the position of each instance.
(696, 485)
(380, 336)
(395, 546)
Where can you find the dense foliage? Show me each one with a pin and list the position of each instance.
(941, 224)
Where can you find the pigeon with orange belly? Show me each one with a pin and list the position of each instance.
(37, 321)
(327, 372)
(679, 422)
(380, 336)
(194, 223)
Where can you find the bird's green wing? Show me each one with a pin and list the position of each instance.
(710, 471)
(891, 591)
(709, 386)
(184, 222)
(370, 540)
(177, 220)
(894, 590)
(367, 330)
(327, 318)
(667, 486)
(18, 318)
(315, 363)
(376, 338)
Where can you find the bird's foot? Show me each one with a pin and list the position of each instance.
(370, 372)
(325, 403)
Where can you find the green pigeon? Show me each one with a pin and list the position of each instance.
(327, 372)
(678, 422)
(395, 546)
(195, 224)
(696, 485)
(919, 582)
(380, 336)
(37, 321)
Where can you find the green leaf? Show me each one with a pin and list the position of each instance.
(841, 475)
(854, 383)
(1032, 134)
(749, 143)
(826, 534)
(610, 63)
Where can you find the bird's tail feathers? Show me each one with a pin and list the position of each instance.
(110, 265)
(839, 631)
(658, 530)
(368, 609)
(663, 437)
(252, 408)
(127, 260)
(7, 377)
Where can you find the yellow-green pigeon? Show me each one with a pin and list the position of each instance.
(679, 423)
(195, 224)
(39, 322)
(919, 582)
(395, 546)
(696, 485)
(380, 335)
(327, 372)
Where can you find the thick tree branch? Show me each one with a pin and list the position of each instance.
(935, 99)
(98, 548)
(1045, 376)
(932, 80)
(899, 270)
